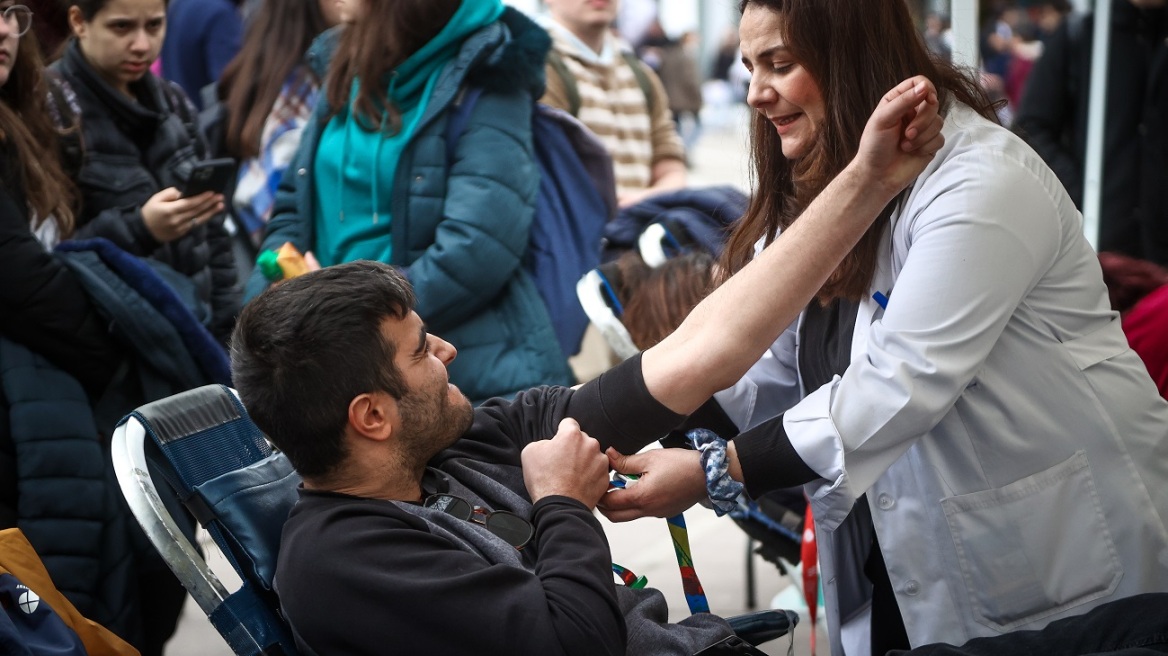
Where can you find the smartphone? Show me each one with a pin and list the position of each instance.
(209, 175)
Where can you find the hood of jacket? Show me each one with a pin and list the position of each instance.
(409, 81)
(504, 56)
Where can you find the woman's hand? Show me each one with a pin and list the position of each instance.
(671, 480)
(901, 137)
(311, 262)
(168, 216)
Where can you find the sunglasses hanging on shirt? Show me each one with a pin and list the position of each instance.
(504, 524)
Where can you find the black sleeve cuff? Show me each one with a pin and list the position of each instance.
(769, 460)
(709, 416)
(562, 506)
(618, 409)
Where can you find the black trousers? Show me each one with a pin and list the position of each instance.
(1134, 626)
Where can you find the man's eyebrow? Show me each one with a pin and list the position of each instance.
(421, 340)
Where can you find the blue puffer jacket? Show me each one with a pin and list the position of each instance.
(460, 231)
(68, 502)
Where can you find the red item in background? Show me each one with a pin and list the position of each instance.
(1146, 327)
(810, 558)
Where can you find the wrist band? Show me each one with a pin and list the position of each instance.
(722, 490)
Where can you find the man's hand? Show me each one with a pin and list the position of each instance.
(570, 464)
(901, 137)
(671, 480)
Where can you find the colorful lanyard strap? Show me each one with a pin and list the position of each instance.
(628, 578)
(695, 596)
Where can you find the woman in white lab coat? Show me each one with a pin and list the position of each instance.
(982, 450)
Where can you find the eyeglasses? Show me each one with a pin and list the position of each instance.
(19, 19)
(504, 524)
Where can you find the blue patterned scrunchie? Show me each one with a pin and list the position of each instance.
(723, 490)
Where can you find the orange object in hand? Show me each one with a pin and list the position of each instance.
(282, 264)
(291, 261)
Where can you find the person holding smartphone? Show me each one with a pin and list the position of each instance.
(140, 147)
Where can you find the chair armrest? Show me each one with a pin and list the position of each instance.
(763, 625)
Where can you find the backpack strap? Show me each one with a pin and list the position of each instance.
(459, 116)
(65, 114)
(573, 92)
(642, 78)
(569, 80)
(180, 105)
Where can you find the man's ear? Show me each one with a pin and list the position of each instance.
(373, 415)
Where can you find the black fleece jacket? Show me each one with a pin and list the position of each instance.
(133, 150)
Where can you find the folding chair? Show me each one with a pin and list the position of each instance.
(204, 446)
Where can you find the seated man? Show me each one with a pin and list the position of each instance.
(424, 526)
(340, 372)
(619, 98)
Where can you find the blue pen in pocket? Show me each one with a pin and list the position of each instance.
(881, 300)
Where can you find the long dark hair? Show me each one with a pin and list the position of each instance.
(28, 133)
(855, 51)
(660, 298)
(274, 45)
(384, 37)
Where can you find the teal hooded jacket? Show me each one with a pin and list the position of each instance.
(459, 230)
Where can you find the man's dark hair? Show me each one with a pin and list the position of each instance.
(306, 347)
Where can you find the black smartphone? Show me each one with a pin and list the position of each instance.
(209, 175)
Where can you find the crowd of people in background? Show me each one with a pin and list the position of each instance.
(334, 116)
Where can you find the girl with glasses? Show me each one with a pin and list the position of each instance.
(19, 19)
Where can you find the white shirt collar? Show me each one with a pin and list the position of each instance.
(607, 54)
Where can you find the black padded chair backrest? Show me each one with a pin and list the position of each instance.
(227, 475)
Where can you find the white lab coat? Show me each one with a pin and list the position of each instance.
(1013, 449)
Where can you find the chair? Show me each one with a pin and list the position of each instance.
(202, 444)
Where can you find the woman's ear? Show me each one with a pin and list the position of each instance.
(77, 21)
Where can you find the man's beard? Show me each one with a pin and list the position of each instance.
(433, 423)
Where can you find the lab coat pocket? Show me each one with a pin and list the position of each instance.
(1035, 547)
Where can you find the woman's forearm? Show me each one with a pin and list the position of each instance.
(729, 330)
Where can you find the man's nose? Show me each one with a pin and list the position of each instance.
(444, 350)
